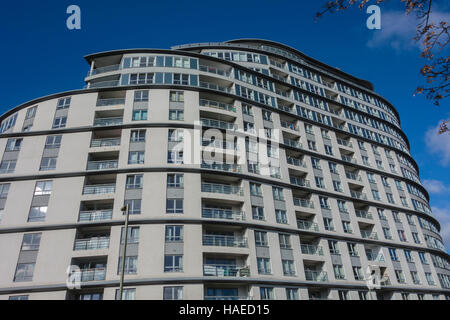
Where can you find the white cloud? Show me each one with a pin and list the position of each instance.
(399, 29)
(435, 186)
(443, 216)
(438, 144)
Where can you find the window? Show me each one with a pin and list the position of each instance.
(7, 166)
(134, 206)
(342, 206)
(13, 144)
(365, 160)
(337, 186)
(396, 216)
(376, 195)
(176, 157)
(59, 122)
(324, 202)
(132, 237)
(261, 239)
(63, 103)
(285, 241)
(422, 257)
(134, 181)
(281, 216)
(408, 255)
(173, 263)
(277, 193)
(258, 213)
(288, 267)
(338, 271)
(291, 294)
(328, 150)
(415, 236)
(127, 294)
(176, 115)
(363, 295)
(403, 201)
(173, 293)
(401, 235)
(175, 181)
(325, 134)
(390, 197)
(333, 246)
(398, 184)
(266, 293)
(141, 78)
(347, 227)
(309, 128)
(393, 254)
(328, 223)
(141, 96)
(24, 272)
(410, 219)
(361, 145)
(136, 157)
(177, 96)
(343, 294)
(4, 189)
(316, 163)
(37, 214)
(387, 233)
(31, 242)
(415, 277)
(385, 182)
(137, 136)
(249, 127)
(353, 251)
(22, 297)
(246, 109)
(48, 164)
(381, 214)
(53, 142)
(333, 167)
(130, 265)
(139, 115)
(405, 296)
(263, 265)
(319, 182)
(429, 278)
(174, 233)
(31, 112)
(267, 115)
(371, 177)
(176, 135)
(312, 145)
(182, 79)
(420, 296)
(174, 206)
(357, 273)
(399, 275)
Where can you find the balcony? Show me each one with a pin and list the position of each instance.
(378, 257)
(102, 165)
(222, 188)
(289, 125)
(307, 225)
(104, 122)
(216, 87)
(96, 274)
(369, 235)
(219, 144)
(227, 298)
(95, 215)
(111, 68)
(107, 142)
(222, 167)
(363, 214)
(214, 70)
(303, 203)
(311, 249)
(358, 195)
(216, 270)
(110, 102)
(225, 241)
(318, 276)
(353, 176)
(92, 243)
(218, 124)
(300, 181)
(213, 213)
(103, 84)
(292, 143)
(99, 189)
(344, 143)
(217, 105)
(349, 159)
(295, 162)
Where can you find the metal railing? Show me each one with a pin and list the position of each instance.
(311, 249)
(225, 241)
(375, 257)
(222, 188)
(217, 105)
(363, 214)
(222, 167)
(110, 102)
(219, 144)
(107, 142)
(95, 215)
(96, 274)
(218, 124)
(300, 181)
(215, 70)
(303, 203)
(289, 125)
(91, 244)
(292, 143)
(344, 143)
(349, 159)
(99, 189)
(296, 162)
(102, 122)
(217, 270)
(102, 165)
(320, 276)
(103, 84)
(114, 67)
(227, 298)
(307, 225)
(358, 195)
(352, 176)
(223, 214)
(369, 235)
(214, 86)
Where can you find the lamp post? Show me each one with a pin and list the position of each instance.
(124, 249)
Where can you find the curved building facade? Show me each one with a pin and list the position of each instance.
(250, 170)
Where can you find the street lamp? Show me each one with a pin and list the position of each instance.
(125, 209)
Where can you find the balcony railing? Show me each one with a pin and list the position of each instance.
(307, 225)
(319, 276)
(103, 84)
(358, 195)
(92, 243)
(110, 102)
(303, 203)
(222, 188)
(369, 235)
(103, 122)
(218, 124)
(353, 176)
(363, 214)
(311, 249)
(219, 144)
(349, 159)
(214, 70)
(114, 67)
(107, 142)
(223, 214)
(300, 181)
(225, 241)
(96, 274)
(99, 189)
(102, 165)
(375, 257)
(222, 167)
(344, 143)
(296, 162)
(214, 86)
(217, 270)
(289, 125)
(227, 298)
(293, 143)
(217, 105)
(96, 215)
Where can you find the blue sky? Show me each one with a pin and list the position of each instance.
(41, 56)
